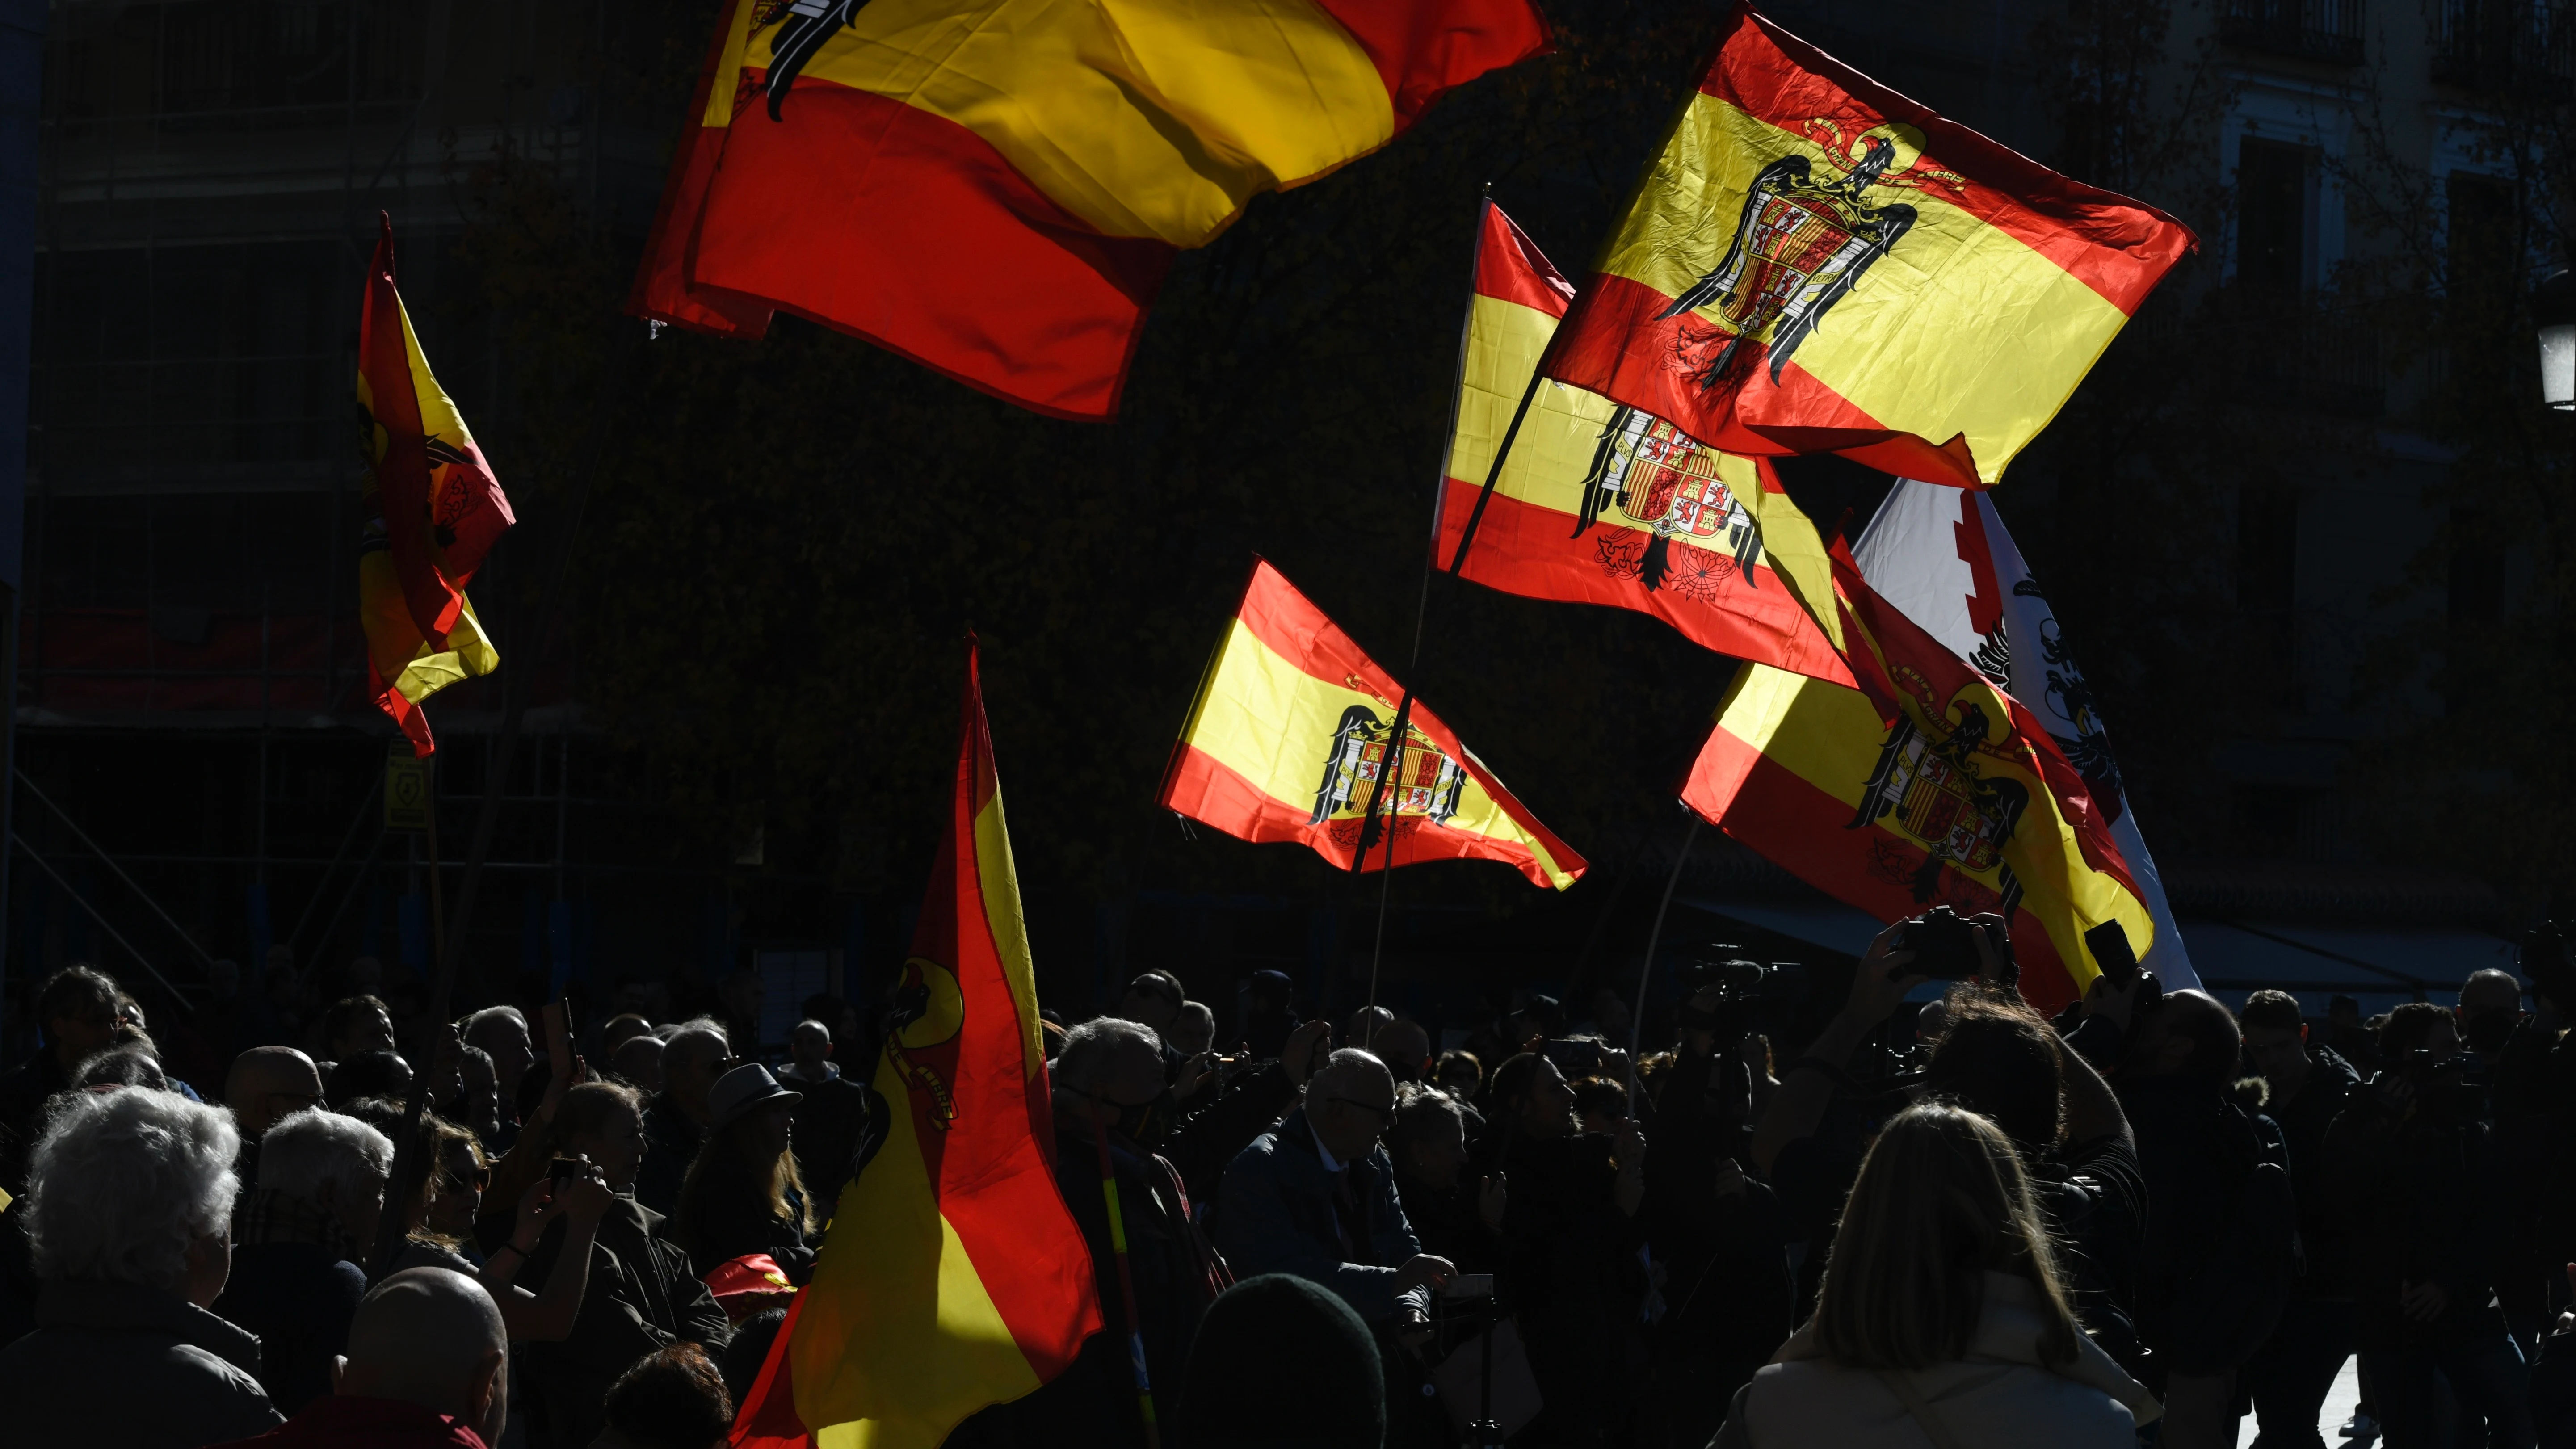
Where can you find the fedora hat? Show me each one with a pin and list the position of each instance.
(738, 1091)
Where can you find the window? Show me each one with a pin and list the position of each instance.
(2483, 238)
(2267, 590)
(2273, 215)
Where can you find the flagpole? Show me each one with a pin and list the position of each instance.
(1654, 938)
(1494, 475)
(1126, 1280)
(1385, 884)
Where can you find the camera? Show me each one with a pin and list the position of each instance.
(1944, 944)
(1753, 997)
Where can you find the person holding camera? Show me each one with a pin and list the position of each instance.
(2415, 1169)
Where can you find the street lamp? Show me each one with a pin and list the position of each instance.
(2554, 307)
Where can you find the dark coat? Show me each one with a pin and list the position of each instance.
(1572, 1277)
(671, 1143)
(118, 1363)
(2304, 1121)
(641, 1297)
(2202, 1303)
(299, 1298)
(2424, 1200)
(1274, 1214)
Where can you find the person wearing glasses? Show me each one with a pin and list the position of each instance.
(80, 1008)
(1316, 1198)
(438, 1223)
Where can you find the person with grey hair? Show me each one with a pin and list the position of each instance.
(130, 1065)
(299, 1247)
(675, 1121)
(1316, 1198)
(125, 1221)
(1109, 1086)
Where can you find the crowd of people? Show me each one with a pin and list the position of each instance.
(1877, 1220)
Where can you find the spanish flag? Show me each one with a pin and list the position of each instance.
(952, 1277)
(432, 510)
(1927, 786)
(1598, 503)
(1291, 731)
(1817, 264)
(994, 188)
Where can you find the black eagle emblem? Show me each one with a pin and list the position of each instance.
(809, 23)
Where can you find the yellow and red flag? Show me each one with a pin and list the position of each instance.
(432, 511)
(1290, 733)
(1599, 503)
(994, 188)
(1926, 786)
(953, 1277)
(1818, 264)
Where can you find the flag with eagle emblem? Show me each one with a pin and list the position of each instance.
(432, 510)
(1293, 738)
(1816, 264)
(994, 188)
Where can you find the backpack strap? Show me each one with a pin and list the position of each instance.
(1934, 1427)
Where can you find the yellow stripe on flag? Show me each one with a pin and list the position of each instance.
(1146, 118)
(998, 880)
(1990, 342)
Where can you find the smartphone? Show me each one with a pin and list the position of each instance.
(2112, 953)
(561, 1170)
(1470, 1285)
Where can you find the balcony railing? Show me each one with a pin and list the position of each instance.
(2322, 30)
(2321, 364)
(2501, 45)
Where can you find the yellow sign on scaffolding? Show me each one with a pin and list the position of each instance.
(406, 790)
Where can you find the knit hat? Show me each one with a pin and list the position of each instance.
(1281, 1363)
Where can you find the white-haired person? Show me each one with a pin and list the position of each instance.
(301, 1245)
(126, 1220)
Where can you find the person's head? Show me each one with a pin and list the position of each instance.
(744, 994)
(336, 1162)
(356, 1025)
(1610, 1014)
(692, 1059)
(1998, 1057)
(603, 1121)
(431, 1337)
(1270, 991)
(131, 1064)
(1114, 1068)
(1364, 1025)
(1428, 1140)
(2419, 1039)
(503, 1032)
(672, 1398)
(452, 1177)
(2276, 1040)
(80, 1008)
(369, 1074)
(810, 1045)
(1600, 1104)
(268, 1084)
(1405, 1048)
(2342, 1011)
(1543, 1016)
(478, 1092)
(1941, 1200)
(623, 1027)
(134, 1187)
(2187, 1034)
(1530, 1096)
(638, 1061)
(1152, 999)
(1460, 1074)
(1279, 1360)
(748, 1349)
(1349, 1102)
(2490, 1007)
(1194, 1030)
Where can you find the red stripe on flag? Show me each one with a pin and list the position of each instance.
(1801, 828)
(1510, 266)
(767, 1418)
(1524, 549)
(925, 242)
(2118, 247)
(1423, 47)
(407, 716)
(1295, 630)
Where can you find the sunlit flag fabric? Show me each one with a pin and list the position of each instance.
(1289, 733)
(1603, 504)
(1928, 786)
(432, 511)
(1942, 556)
(1817, 264)
(953, 1277)
(995, 189)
